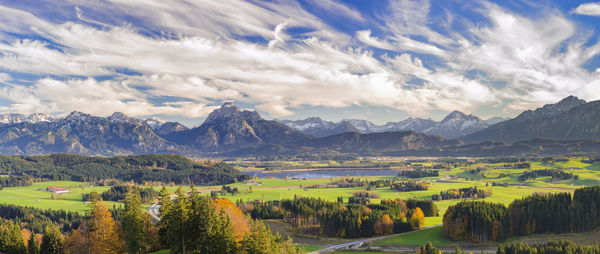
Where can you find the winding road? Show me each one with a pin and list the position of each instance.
(154, 211)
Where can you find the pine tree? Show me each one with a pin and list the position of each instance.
(32, 246)
(11, 239)
(52, 242)
(133, 222)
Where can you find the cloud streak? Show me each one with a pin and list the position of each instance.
(278, 57)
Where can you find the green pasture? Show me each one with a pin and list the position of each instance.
(31, 196)
(419, 238)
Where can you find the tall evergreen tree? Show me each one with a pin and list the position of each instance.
(11, 239)
(33, 246)
(52, 242)
(133, 222)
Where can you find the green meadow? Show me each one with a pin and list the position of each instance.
(278, 189)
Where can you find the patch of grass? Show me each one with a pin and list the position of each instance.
(420, 238)
(309, 248)
(31, 196)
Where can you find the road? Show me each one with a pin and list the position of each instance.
(358, 243)
(154, 211)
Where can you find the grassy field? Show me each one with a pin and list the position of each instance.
(35, 196)
(420, 238)
(277, 189)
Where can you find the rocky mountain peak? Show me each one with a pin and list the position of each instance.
(119, 117)
(548, 110)
(228, 110)
(455, 115)
(76, 115)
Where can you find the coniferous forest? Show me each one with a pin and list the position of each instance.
(539, 213)
(138, 168)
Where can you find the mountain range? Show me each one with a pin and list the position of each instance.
(455, 125)
(569, 126)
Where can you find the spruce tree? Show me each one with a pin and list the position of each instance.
(52, 242)
(32, 246)
(11, 239)
(133, 222)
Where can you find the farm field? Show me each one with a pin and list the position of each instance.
(32, 197)
(271, 189)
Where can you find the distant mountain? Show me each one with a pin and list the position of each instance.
(229, 128)
(84, 134)
(409, 124)
(169, 128)
(320, 128)
(363, 126)
(495, 120)
(13, 118)
(569, 119)
(457, 124)
(353, 142)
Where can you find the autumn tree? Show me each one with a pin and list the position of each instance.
(103, 232)
(417, 219)
(262, 241)
(52, 242)
(11, 239)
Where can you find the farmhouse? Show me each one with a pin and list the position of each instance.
(57, 189)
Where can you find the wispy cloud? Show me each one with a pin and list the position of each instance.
(591, 9)
(278, 56)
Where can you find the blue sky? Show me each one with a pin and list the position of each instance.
(376, 60)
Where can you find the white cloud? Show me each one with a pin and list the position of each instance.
(202, 60)
(590, 9)
(4, 77)
(337, 8)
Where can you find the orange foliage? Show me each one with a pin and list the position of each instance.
(239, 222)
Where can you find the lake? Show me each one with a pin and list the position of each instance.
(323, 173)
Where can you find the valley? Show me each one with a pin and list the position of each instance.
(323, 180)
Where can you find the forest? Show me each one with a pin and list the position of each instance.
(408, 186)
(140, 168)
(538, 213)
(419, 173)
(469, 192)
(189, 223)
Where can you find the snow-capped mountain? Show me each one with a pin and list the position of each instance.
(154, 122)
(457, 124)
(12, 118)
(454, 125)
(363, 126)
(409, 124)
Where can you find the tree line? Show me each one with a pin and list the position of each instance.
(119, 192)
(15, 181)
(409, 185)
(535, 214)
(326, 218)
(419, 173)
(189, 224)
(556, 175)
(469, 192)
(139, 168)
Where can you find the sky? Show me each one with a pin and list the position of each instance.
(376, 60)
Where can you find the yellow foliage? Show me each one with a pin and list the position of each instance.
(239, 222)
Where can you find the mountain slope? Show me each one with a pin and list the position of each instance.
(456, 124)
(569, 119)
(318, 127)
(84, 134)
(230, 128)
